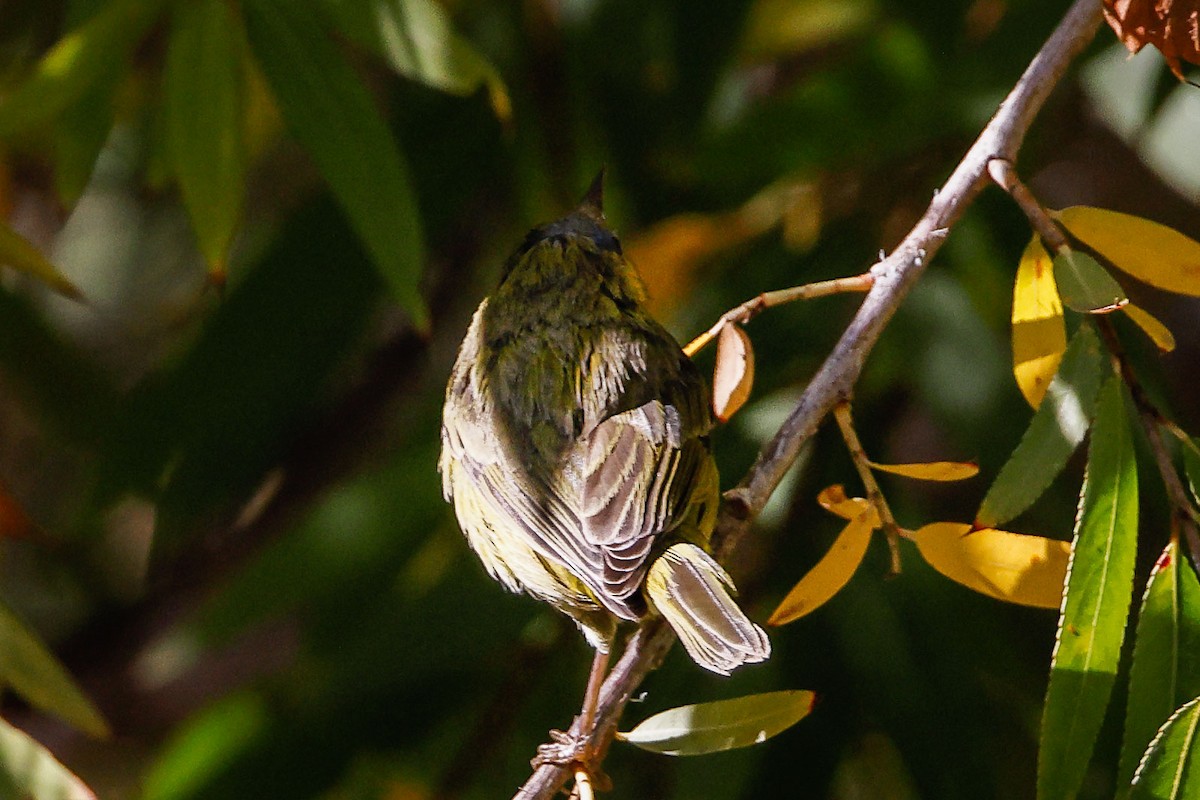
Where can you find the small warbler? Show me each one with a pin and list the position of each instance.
(575, 449)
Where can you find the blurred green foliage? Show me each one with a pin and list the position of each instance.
(242, 552)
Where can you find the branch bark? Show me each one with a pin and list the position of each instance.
(834, 381)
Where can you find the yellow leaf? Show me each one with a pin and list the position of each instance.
(832, 572)
(669, 254)
(1027, 570)
(733, 374)
(1159, 334)
(932, 470)
(1039, 336)
(834, 500)
(18, 253)
(1150, 252)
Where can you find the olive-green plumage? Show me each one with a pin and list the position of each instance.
(575, 448)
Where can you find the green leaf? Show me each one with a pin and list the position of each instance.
(80, 134)
(28, 771)
(204, 121)
(17, 252)
(1056, 429)
(721, 725)
(1191, 465)
(1170, 769)
(330, 111)
(1165, 673)
(77, 62)
(30, 669)
(418, 40)
(1091, 627)
(1086, 286)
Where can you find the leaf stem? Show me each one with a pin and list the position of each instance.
(891, 530)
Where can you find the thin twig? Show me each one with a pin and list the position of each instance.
(894, 276)
(756, 305)
(891, 530)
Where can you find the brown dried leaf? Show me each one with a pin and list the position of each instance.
(734, 372)
(1173, 26)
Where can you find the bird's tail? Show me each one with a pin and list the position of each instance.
(694, 594)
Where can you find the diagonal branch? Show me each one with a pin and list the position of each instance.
(894, 276)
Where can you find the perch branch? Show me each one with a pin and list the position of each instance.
(893, 277)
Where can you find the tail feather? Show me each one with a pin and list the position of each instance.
(694, 593)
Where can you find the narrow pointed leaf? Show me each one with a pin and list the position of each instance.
(1165, 672)
(733, 375)
(721, 725)
(932, 470)
(80, 133)
(1191, 466)
(1013, 567)
(30, 772)
(328, 109)
(17, 252)
(1086, 286)
(1091, 626)
(1150, 252)
(831, 573)
(1039, 335)
(1170, 769)
(1057, 428)
(204, 89)
(32, 672)
(1159, 333)
(418, 39)
(75, 63)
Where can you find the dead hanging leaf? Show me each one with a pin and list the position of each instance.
(1160, 256)
(1173, 26)
(14, 522)
(832, 572)
(931, 470)
(1039, 335)
(733, 375)
(1159, 333)
(1014, 567)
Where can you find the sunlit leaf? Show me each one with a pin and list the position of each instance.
(1091, 627)
(1086, 286)
(1165, 673)
(203, 85)
(831, 573)
(29, 668)
(419, 41)
(1014, 567)
(834, 500)
(1170, 768)
(721, 725)
(29, 771)
(932, 470)
(1057, 428)
(329, 110)
(18, 253)
(1039, 335)
(733, 375)
(76, 62)
(1159, 333)
(1150, 252)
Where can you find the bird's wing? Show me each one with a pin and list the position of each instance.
(632, 478)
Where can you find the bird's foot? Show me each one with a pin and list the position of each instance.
(575, 752)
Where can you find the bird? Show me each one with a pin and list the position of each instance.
(576, 450)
